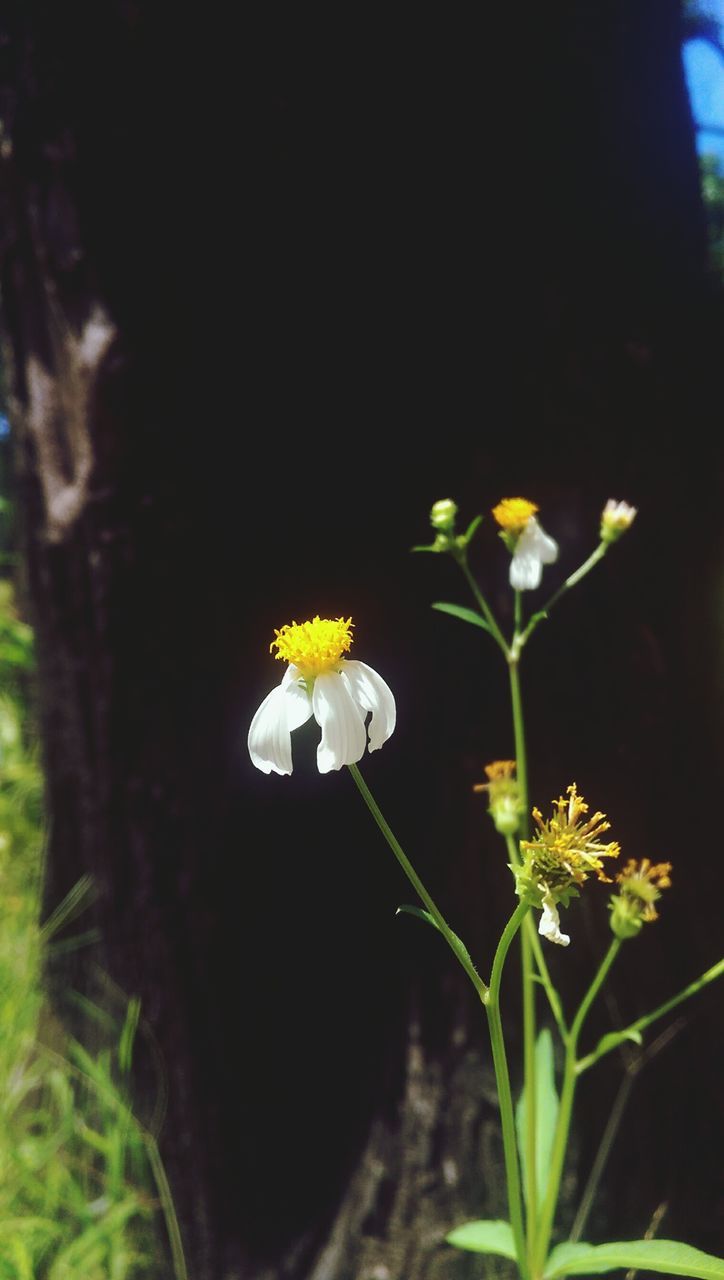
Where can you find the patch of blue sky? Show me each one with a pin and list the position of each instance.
(704, 71)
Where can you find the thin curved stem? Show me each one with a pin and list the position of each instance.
(538, 617)
(484, 606)
(451, 938)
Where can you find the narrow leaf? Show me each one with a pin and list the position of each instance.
(425, 915)
(613, 1038)
(472, 528)
(546, 1114)
(459, 611)
(484, 1237)
(666, 1256)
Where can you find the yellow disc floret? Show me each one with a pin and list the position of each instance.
(513, 514)
(566, 848)
(314, 647)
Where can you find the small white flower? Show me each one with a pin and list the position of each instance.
(533, 549)
(338, 692)
(616, 518)
(550, 925)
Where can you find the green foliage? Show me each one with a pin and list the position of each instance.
(83, 1195)
(665, 1256)
(484, 1236)
(712, 194)
(459, 611)
(546, 1114)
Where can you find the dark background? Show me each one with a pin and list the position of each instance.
(358, 262)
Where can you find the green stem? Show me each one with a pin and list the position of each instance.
(164, 1192)
(451, 938)
(563, 1123)
(542, 967)
(483, 605)
(571, 581)
(612, 1041)
(502, 1079)
(521, 758)
(529, 1013)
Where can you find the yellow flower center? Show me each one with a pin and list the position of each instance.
(513, 514)
(567, 844)
(313, 647)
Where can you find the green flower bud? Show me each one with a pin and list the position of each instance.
(443, 515)
(625, 919)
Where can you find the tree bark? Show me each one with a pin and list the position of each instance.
(243, 332)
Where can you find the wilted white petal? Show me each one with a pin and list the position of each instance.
(533, 549)
(550, 926)
(284, 709)
(525, 571)
(372, 693)
(344, 736)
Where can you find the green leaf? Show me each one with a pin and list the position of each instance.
(546, 1114)
(459, 611)
(472, 528)
(613, 1038)
(484, 1237)
(460, 947)
(667, 1256)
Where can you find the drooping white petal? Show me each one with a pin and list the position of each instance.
(550, 925)
(344, 736)
(285, 708)
(533, 549)
(372, 693)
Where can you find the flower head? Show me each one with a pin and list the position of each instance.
(505, 806)
(641, 884)
(320, 681)
(530, 546)
(565, 851)
(443, 514)
(513, 514)
(616, 518)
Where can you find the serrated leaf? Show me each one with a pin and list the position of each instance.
(546, 1114)
(459, 611)
(666, 1256)
(493, 1236)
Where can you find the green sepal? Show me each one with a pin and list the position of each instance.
(459, 611)
(546, 1114)
(493, 1236)
(666, 1256)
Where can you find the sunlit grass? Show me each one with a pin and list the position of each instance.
(83, 1194)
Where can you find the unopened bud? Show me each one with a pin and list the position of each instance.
(443, 515)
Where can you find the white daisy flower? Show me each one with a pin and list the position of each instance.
(531, 548)
(337, 691)
(549, 925)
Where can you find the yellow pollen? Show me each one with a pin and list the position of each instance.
(314, 647)
(513, 514)
(497, 771)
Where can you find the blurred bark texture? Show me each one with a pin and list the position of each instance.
(263, 291)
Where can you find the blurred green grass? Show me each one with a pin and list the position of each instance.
(83, 1194)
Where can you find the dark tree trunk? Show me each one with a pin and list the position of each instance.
(264, 300)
